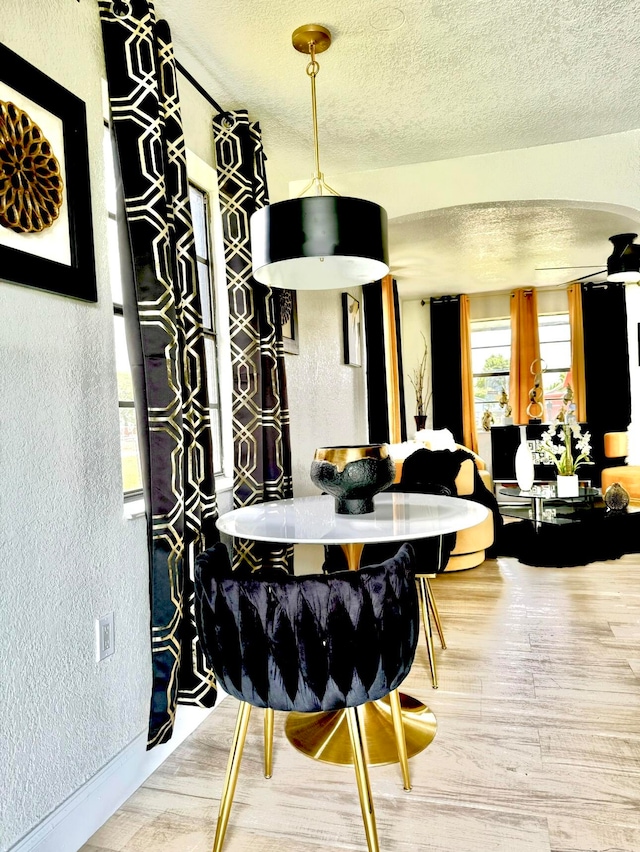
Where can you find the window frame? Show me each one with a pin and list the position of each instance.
(204, 178)
(492, 405)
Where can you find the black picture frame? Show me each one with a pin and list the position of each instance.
(351, 331)
(20, 265)
(289, 321)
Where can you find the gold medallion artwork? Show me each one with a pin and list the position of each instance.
(31, 187)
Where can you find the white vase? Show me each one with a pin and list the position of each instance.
(568, 486)
(524, 466)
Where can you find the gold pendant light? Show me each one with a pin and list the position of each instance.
(323, 240)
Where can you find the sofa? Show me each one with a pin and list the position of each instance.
(616, 446)
(471, 480)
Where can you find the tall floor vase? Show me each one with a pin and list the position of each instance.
(525, 473)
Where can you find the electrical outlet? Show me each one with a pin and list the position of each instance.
(105, 637)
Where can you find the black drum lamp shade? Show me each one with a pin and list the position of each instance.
(319, 242)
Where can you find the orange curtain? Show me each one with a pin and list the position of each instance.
(392, 367)
(469, 434)
(525, 350)
(578, 381)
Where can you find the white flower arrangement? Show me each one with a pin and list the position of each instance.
(559, 452)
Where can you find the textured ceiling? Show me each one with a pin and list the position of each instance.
(408, 81)
(489, 247)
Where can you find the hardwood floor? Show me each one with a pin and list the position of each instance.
(537, 750)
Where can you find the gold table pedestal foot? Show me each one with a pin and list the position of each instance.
(325, 736)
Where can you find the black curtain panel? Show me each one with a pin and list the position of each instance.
(377, 392)
(262, 467)
(380, 397)
(446, 365)
(163, 321)
(606, 366)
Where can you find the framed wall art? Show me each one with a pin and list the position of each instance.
(289, 321)
(46, 235)
(351, 330)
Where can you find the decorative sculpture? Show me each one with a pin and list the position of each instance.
(31, 188)
(536, 393)
(566, 413)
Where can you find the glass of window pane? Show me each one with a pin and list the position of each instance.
(204, 286)
(123, 370)
(212, 370)
(110, 176)
(216, 432)
(198, 214)
(130, 455)
(115, 272)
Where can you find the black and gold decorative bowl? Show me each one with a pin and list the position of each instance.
(616, 498)
(353, 475)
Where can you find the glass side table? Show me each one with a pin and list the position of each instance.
(545, 493)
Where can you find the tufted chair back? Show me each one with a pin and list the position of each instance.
(309, 643)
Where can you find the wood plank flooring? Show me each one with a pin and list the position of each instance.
(537, 750)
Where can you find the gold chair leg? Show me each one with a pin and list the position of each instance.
(362, 777)
(401, 742)
(436, 615)
(423, 594)
(268, 742)
(233, 766)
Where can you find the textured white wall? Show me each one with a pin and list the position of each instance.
(327, 398)
(67, 552)
(68, 555)
(602, 171)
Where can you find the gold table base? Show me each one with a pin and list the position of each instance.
(325, 736)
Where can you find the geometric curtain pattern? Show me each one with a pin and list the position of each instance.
(262, 452)
(163, 321)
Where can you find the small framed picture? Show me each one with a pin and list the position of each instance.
(289, 321)
(46, 236)
(351, 332)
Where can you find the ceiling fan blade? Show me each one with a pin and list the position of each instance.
(582, 277)
(550, 268)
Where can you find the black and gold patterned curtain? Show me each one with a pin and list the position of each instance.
(163, 321)
(262, 464)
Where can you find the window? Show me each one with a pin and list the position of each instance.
(129, 451)
(490, 360)
(555, 351)
(130, 457)
(199, 212)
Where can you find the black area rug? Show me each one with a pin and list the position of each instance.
(596, 537)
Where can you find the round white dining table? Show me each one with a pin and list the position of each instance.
(397, 517)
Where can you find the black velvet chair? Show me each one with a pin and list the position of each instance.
(310, 643)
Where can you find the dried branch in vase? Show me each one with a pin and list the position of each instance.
(420, 382)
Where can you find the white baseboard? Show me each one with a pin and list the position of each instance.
(73, 822)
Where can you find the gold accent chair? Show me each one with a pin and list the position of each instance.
(308, 644)
(616, 445)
